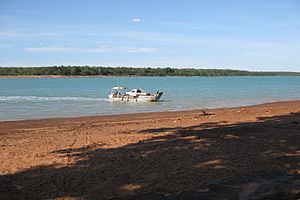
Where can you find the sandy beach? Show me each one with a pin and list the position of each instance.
(231, 153)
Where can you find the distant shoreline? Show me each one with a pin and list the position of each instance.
(111, 76)
(92, 71)
(53, 76)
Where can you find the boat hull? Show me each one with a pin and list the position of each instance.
(137, 98)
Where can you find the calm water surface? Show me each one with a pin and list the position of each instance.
(70, 97)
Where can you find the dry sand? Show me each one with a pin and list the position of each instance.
(233, 153)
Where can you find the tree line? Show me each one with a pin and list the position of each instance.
(130, 71)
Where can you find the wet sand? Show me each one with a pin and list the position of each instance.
(230, 153)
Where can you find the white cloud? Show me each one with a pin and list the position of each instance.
(137, 20)
(44, 34)
(6, 46)
(49, 49)
(14, 34)
(5, 17)
(99, 49)
(140, 50)
(118, 49)
(9, 34)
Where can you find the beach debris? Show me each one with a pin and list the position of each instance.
(205, 113)
(230, 136)
(179, 118)
(240, 110)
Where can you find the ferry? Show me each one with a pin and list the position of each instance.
(118, 93)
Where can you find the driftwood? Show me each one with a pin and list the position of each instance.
(206, 113)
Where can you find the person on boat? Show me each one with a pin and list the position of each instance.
(115, 94)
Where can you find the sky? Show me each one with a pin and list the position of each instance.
(256, 35)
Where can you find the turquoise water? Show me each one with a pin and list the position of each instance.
(71, 97)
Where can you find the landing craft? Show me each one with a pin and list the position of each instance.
(135, 95)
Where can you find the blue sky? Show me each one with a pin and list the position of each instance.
(254, 35)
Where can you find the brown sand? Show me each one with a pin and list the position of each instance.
(164, 155)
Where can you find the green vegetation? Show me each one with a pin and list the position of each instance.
(129, 71)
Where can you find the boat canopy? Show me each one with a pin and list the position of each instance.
(119, 88)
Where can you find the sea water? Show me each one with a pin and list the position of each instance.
(33, 98)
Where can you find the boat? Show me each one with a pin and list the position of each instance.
(119, 93)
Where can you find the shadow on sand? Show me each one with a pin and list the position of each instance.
(258, 160)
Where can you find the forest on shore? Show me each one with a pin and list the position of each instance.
(132, 71)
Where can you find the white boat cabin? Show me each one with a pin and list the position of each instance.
(118, 93)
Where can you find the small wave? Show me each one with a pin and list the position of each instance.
(38, 98)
